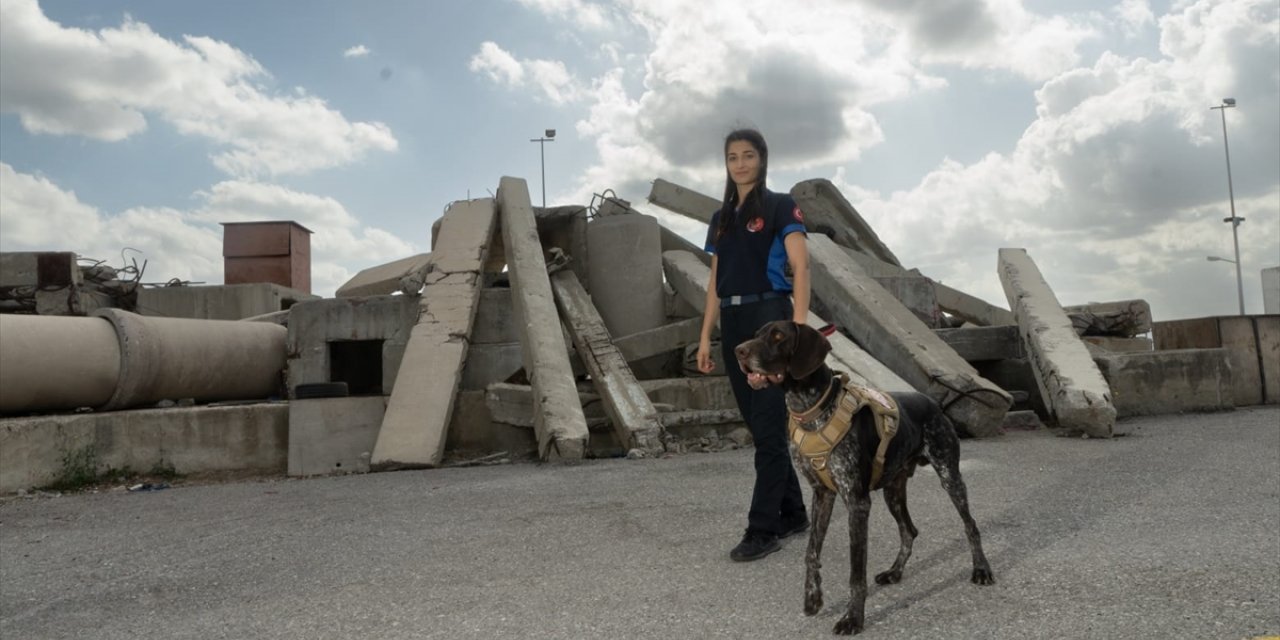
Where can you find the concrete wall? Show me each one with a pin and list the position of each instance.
(1163, 382)
(33, 451)
(315, 324)
(1252, 344)
(219, 302)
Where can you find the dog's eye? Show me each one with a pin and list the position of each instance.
(777, 336)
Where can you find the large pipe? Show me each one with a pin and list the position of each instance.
(118, 359)
(207, 360)
(56, 362)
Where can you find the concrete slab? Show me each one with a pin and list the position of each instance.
(1253, 347)
(634, 419)
(35, 451)
(416, 423)
(1164, 382)
(333, 435)
(383, 279)
(984, 343)
(1070, 383)
(1120, 345)
(219, 302)
(953, 301)
(823, 204)
(559, 423)
(687, 202)
(891, 334)
(917, 294)
(689, 278)
(1123, 318)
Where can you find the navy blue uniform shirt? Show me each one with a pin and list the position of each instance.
(751, 256)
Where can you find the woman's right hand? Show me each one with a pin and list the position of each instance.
(705, 363)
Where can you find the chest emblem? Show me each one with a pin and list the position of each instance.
(755, 224)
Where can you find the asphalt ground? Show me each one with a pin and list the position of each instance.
(1170, 532)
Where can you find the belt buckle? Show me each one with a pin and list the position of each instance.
(735, 300)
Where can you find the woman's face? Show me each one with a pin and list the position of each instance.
(743, 162)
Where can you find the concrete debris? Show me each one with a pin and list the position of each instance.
(1123, 319)
(826, 211)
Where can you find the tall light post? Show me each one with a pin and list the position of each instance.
(1230, 103)
(548, 136)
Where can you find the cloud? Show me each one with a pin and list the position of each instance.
(105, 84)
(586, 15)
(187, 244)
(1134, 15)
(551, 77)
(358, 51)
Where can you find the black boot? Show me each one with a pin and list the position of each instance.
(754, 545)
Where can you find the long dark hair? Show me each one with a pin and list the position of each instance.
(752, 206)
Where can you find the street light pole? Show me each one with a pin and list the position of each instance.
(548, 136)
(1230, 103)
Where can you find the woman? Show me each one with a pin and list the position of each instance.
(753, 238)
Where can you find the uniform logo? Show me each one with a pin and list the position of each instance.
(795, 213)
(755, 224)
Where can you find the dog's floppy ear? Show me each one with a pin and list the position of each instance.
(810, 352)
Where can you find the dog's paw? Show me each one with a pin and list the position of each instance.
(812, 603)
(983, 576)
(847, 626)
(889, 577)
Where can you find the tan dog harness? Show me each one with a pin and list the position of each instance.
(815, 446)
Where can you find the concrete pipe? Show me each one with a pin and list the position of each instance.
(172, 358)
(625, 276)
(56, 362)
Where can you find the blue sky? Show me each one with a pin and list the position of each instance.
(1077, 130)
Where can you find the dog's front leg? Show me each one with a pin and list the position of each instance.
(823, 501)
(859, 509)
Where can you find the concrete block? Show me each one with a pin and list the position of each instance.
(1163, 382)
(1120, 345)
(626, 274)
(1252, 344)
(1070, 383)
(916, 293)
(678, 199)
(1271, 290)
(322, 332)
(333, 435)
(823, 204)
(558, 423)
(219, 302)
(1125, 318)
(192, 440)
(490, 363)
(984, 343)
(495, 318)
(1016, 377)
(415, 426)
(890, 333)
(1021, 421)
(383, 279)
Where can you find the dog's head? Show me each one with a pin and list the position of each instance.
(783, 348)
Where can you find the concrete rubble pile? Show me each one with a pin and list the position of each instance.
(570, 332)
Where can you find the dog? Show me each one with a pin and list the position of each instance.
(793, 356)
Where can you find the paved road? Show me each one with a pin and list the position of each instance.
(1172, 532)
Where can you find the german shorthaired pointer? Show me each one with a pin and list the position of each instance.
(793, 356)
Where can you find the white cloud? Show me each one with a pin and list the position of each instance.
(551, 77)
(1134, 15)
(358, 51)
(586, 15)
(105, 84)
(38, 215)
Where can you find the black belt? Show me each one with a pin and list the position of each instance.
(733, 301)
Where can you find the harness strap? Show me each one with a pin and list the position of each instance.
(815, 446)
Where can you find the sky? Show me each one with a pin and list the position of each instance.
(1078, 130)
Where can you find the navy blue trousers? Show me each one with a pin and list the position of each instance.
(776, 496)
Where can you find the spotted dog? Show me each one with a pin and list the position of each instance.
(793, 356)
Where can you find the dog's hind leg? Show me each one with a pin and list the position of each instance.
(942, 448)
(820, 518)
(895, 497)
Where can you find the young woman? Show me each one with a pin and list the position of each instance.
(754, 237)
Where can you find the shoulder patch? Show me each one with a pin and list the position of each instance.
(795, 213)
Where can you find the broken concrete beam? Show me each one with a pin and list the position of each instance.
(1077, 396)
(890, 333)
(558, 421)
(689, 278)
(687, 202)
(916, 293)
(1119, 345)
(416, 423)
(824, 205)
(383, 279)
(953, 301)
(1163, 382)
(647, 344)
(633, 416)
(1125, 319)
(983, 343)
(699, 417)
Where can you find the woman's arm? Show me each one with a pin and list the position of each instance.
(709, 315)
(798, 256)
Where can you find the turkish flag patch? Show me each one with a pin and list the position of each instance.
(795, 213)
(755, 224)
